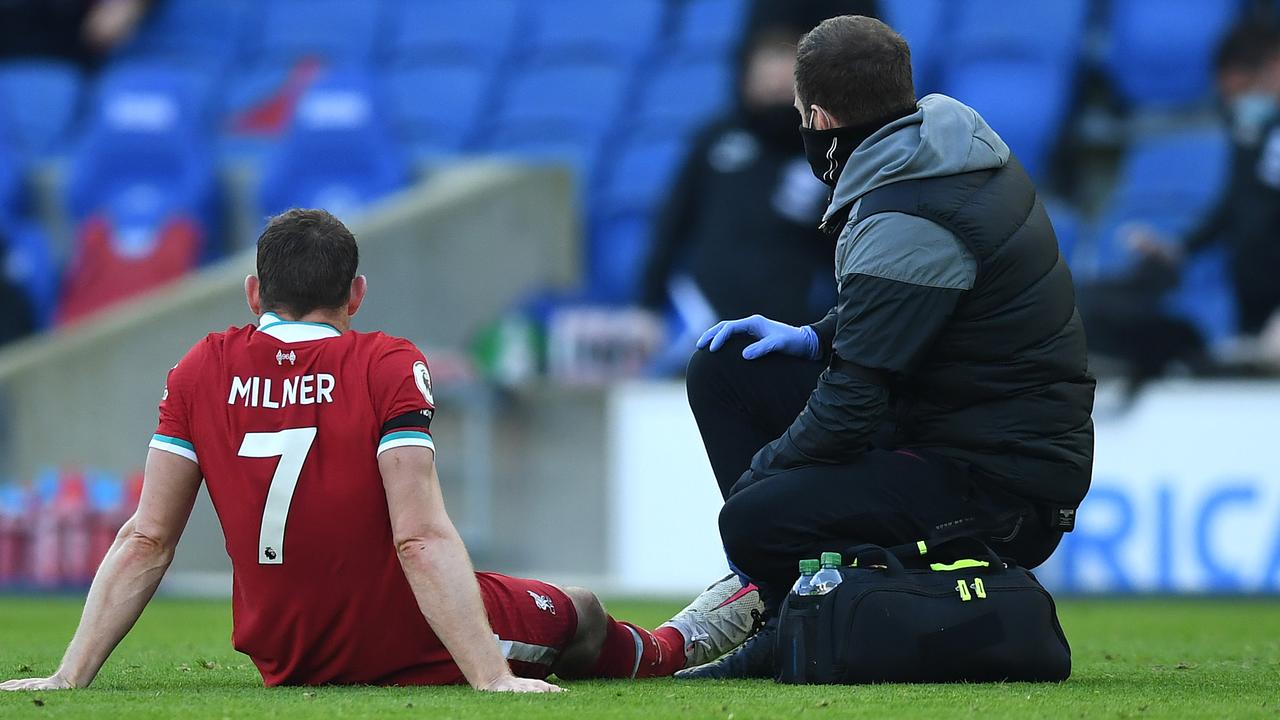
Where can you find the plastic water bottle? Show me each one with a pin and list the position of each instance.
(106, 515)
(44, 549)
(71, 508)
(803, 584)
(826, 579)
(12, 535)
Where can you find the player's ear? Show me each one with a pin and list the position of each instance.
(252, 294)
(359, 286)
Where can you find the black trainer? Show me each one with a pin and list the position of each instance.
(754, 659)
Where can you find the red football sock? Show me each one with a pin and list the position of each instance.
(661, 652)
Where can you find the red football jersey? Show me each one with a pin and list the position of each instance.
(286, 421)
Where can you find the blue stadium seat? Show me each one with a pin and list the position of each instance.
(682, 96)
(634, 186)
(146, 147)
(618, 249)
(1025, 101)
(923, 24)
(453, 31)
(338, 153)
(436, 109)
(560, 112)
(12, 195)
(559, 100)
(202, 33)
(984, 29)
(1015, 63)
(1066, 225)
(711, 28)
(344, 31)
(1161, 50)
(141, 190)
(620, 30)
(1168, 181)
(1206, 296)
(639, 177)
(41, 100)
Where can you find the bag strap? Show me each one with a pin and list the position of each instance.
(868, 554)
(972, 545)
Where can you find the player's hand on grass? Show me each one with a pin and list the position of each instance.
(53, 682)
(513, 684)
(773, 337)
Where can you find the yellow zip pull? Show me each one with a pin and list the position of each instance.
(963, 588)
(979, 589)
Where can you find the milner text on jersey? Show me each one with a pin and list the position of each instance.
(299, 390)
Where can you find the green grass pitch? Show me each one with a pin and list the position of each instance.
(1133, 659)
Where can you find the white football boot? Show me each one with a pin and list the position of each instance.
(718, 620)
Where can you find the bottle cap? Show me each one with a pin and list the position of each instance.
(808, 567)
(831, 559)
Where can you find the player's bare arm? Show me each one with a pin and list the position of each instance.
(129, 574)
(436, 563)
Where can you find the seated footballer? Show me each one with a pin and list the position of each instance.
(315, 442)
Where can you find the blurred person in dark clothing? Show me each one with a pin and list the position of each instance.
(1125, 315)
(801, 15)
(738, 232)
(17, 316)
(81, 31)
(1247, 217)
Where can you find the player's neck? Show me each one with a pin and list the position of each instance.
(340, 321)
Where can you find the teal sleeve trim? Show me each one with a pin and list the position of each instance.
(174, 441)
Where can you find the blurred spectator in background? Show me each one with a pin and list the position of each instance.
(17, 318)
(739, 231)
(82, 31)
(1125, 316)
(803, 15)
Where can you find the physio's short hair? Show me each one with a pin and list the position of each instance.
(857, 69)
(306, 261)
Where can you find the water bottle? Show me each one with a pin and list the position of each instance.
(807, 569)
(106, 506)
(12, 516)
(44, 549)
(826, 579)
(71, 508)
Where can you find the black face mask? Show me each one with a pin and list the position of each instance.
(828, 151)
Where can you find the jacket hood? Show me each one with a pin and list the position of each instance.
(942, 137)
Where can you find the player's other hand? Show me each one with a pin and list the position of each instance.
(53, 682)
(773, 337)
(513, 684)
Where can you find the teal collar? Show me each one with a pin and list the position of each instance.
(292, 331)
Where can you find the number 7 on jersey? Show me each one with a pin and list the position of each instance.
(291, 446)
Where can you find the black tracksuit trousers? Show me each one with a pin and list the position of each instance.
(887, 496)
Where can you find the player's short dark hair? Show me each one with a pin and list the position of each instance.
(857, 69)
(306, 261)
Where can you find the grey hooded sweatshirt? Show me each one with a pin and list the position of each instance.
(900, 277)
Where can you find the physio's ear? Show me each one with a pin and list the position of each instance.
(359, 286)
(821, 119)
(252, 294)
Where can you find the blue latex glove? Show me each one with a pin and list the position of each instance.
(773, 337)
